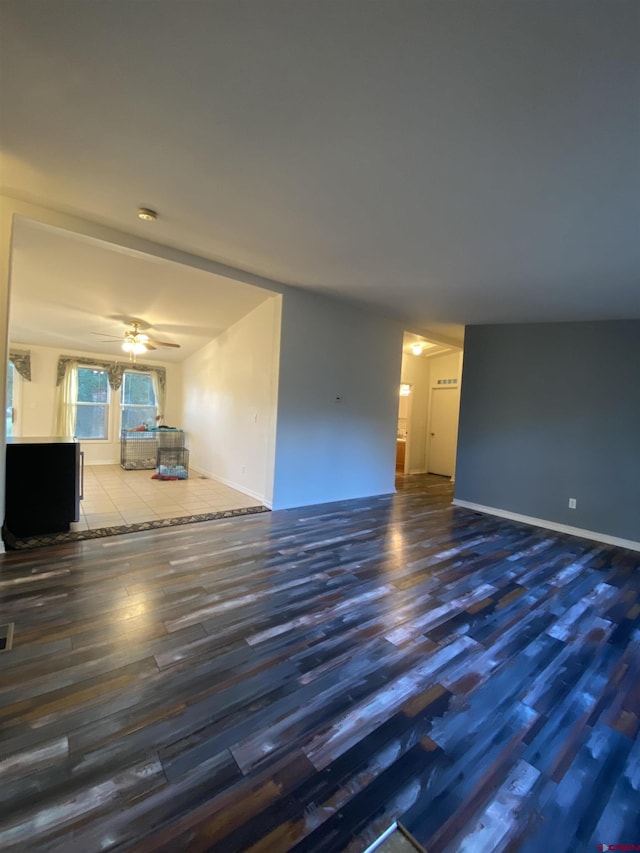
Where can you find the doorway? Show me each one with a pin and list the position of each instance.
(431, 377)
(49, 269)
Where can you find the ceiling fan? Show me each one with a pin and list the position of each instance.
(136, 342)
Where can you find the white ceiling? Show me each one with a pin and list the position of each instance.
(449, 161)
(428, 349)
(66, 288)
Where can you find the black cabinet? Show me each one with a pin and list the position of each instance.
(43, 486)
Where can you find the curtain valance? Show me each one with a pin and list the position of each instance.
(21, 360)
(114, 370)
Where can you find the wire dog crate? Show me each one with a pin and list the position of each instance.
(170, 438)
(173, 462)
(139, 449)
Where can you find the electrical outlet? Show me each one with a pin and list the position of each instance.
(572, 503)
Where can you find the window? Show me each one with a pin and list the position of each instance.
(139, 405)
(93, 403)
(10, 410)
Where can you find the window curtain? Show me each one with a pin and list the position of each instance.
(66, 408)
(159, 390)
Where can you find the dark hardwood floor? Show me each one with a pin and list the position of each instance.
(299, 680)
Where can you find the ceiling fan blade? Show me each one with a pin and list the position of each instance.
(132, 334)
(107, 337)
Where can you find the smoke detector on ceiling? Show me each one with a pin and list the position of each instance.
(147, 214)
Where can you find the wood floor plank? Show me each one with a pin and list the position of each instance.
(299, 680)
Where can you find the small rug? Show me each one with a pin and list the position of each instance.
(14, 544)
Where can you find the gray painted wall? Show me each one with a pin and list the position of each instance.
(331, 449)
(549, 412)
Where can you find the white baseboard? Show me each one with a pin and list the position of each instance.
(232, 485)
(551, 525)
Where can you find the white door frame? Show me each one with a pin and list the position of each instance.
(407, 449)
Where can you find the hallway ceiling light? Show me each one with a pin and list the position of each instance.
(416, 349)
(405, 390)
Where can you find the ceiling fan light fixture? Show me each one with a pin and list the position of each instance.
(136, 342)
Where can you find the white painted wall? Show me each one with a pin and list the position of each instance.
(337, 402)
(35, 414)
(230, 394)
(445, 367)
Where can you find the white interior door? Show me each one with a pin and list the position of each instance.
(443, 431)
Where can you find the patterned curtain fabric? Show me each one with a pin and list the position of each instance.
(115, 370)
(22, 363)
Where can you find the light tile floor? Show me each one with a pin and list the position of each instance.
(113, 496)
